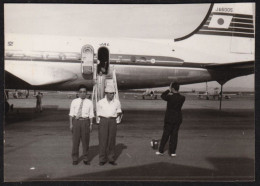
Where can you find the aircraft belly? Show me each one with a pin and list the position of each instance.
(67, 75)
(145, 77)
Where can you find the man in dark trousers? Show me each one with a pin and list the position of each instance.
(108, 109)
(81, 120)
(173, 118)
(39, 102)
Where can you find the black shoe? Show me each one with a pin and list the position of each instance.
(75, 163)
(86, 162)
(112, 163)
(102, 163)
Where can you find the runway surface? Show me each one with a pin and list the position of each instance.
(213, 145)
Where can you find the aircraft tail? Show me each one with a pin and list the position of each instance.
(227, 20)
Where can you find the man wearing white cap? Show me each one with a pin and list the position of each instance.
(108, 109)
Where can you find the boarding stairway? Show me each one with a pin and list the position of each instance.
(99, 70)
(100, 82)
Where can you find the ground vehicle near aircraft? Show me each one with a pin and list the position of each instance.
(20, 94)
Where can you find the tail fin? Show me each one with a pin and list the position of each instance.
(229, 19)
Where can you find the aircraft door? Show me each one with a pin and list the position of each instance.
(103, 60)
(87, 61)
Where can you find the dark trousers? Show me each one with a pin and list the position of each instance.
(38, 106)
(80, 132)
(107, 139)
(170, 130)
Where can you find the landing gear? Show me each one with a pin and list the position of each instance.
(220, 96)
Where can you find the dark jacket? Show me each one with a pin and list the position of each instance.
(174, 104)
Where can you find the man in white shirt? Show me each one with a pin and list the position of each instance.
(108, 109)
(81, 120)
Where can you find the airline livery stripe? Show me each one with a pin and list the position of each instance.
(112, 62)
(145, 58)
(187, 68)
(234, 22)
(242, 25)
(247, 25)
(174, 65)
(115, 61)
(147, 65)
(144, 62)
(236, 15)
(41, 60)
(169, 64)
(231, 27)
(249, 19)
(226, 33)
(236, 19)
(243, 30)
(68, 57)
(242, 20)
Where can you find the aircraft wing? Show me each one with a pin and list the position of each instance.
(249, 65)
(225, 71)
(38, 75)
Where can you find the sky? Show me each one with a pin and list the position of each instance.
(132, 21)
(145, 21)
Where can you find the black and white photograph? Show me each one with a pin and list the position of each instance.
(129, 92)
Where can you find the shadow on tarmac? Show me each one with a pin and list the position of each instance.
(54, 120)
(119, 149)
(94, 151)
(225, 169)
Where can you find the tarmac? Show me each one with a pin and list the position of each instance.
(213, 145)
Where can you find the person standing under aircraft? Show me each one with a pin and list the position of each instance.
(81, 120)
(39, 102)
(108, 109)
(173, 118)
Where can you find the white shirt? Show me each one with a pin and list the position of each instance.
(108, 109)
(87, 108)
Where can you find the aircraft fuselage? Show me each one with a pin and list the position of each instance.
(54, 63)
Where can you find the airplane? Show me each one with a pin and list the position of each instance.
(214, 94)
(221, 48)
(150, 93)
(147, 94)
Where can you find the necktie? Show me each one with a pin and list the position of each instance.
(80, 110)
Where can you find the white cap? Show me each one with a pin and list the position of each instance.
(110, 89)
